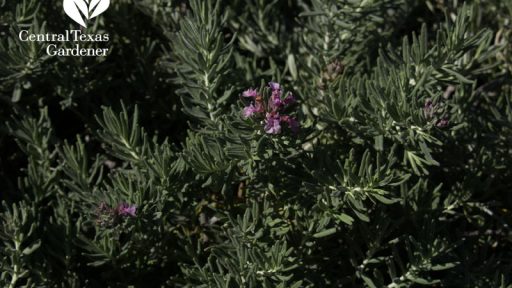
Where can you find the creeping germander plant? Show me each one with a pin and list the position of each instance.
(174, 162)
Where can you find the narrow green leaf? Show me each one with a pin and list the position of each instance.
(444, 266)
(345, 218)
(325, 233)
(385, 200)
(292, 65)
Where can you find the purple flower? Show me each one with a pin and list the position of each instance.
(290, 99)
(250, 93)
(276, 101)
(274, 86)
(272, 123)
(442, 123)
(125, 209)
(250, 110)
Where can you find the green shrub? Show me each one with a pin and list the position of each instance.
(311, 143)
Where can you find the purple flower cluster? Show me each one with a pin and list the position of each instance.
(432, 112)
(273, 109)
(108, 216)
(124, 209)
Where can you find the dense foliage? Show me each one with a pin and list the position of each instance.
(258, 143)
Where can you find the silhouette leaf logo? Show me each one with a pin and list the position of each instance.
(82, 10)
